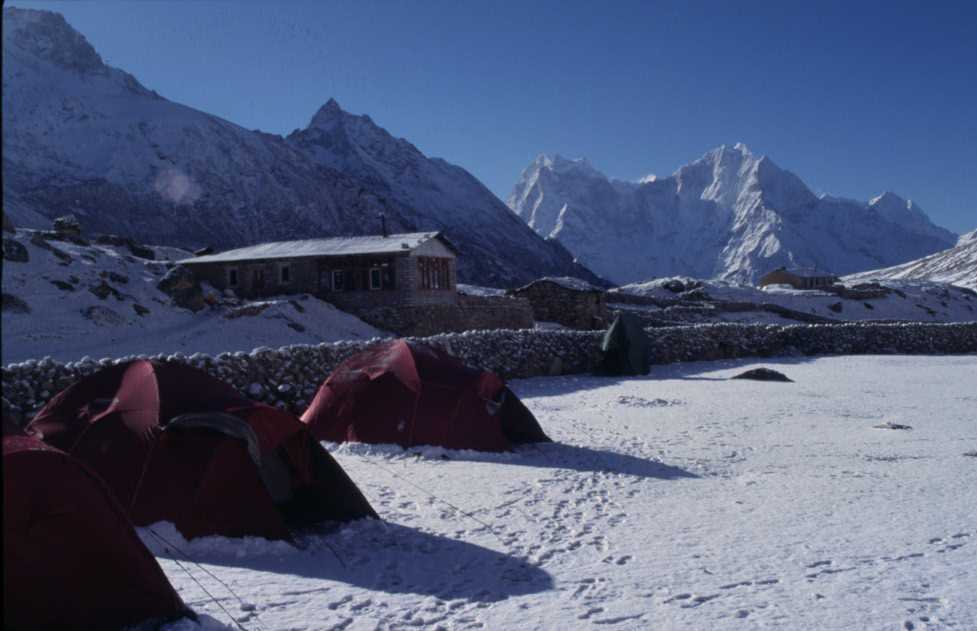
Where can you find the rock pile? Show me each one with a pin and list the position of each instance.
(180, 285)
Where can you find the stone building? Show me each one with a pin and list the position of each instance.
(799, 278)
(572, 302)
(354, 273)
(403, 283)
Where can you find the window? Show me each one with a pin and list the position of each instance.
(376, 278)
(435, 273)
(285, 274)
(337, 280)
(258, 279)
(232, 277)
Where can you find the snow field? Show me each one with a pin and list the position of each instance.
(58, 294)
(677, 501)
(910, 300)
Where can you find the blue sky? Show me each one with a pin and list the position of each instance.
(856, 98)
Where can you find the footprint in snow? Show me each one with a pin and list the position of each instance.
(641, 402)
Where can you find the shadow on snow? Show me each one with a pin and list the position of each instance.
(586, 459)
(382, 556)
(533, 387)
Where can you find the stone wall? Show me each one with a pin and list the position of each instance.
(576, 309)
(471, 313)
(289, 376)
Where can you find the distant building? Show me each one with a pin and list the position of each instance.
(572, 302)
(799, 278)
(355, 273)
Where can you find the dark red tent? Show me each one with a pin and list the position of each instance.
(71, 559)
(175, 444)
(414, 394)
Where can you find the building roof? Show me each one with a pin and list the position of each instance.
(567, 282)
(331, 246)
(803, 272)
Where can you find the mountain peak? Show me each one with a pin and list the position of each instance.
(738, 150)
(47, 36)
(558, 164)
(897, 208)
(889, 200)
(332, 115)
(328, 115)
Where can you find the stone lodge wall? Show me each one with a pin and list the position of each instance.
(575, 309)
(289, 376)
(470, 314)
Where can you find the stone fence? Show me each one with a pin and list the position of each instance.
(289, 376)
(471, 313)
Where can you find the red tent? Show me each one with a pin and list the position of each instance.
(413, 394)
(175, 444)
(71, 559)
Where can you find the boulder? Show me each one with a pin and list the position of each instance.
(764, 374)
(103, 316)
(141, 251)
(14, 251)
(110, 239)
(103, 290)
(115, 277)
(180, 284)
(675, 286)
(67, 225)
(12, 304)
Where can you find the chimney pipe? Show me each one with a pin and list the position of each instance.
(383, 225)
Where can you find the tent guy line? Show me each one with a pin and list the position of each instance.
(212, 598)
(168, 544)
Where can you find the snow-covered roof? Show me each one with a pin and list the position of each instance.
(332, 246)
(807, 272)
(567, 282)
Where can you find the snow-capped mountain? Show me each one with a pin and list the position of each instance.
(730, 215)
(442, 194)
(956, 265)
(85, 138)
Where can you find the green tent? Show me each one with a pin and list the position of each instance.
(624, 349)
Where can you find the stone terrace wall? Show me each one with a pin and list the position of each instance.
(289, 376)
(472, 313)
(552, 302)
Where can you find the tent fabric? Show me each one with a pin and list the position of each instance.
(414, 394)
(624, 349)
(71, 558)
(175, 444)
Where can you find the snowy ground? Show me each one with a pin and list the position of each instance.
(66, 321)
(677, 501)
(910, 300)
